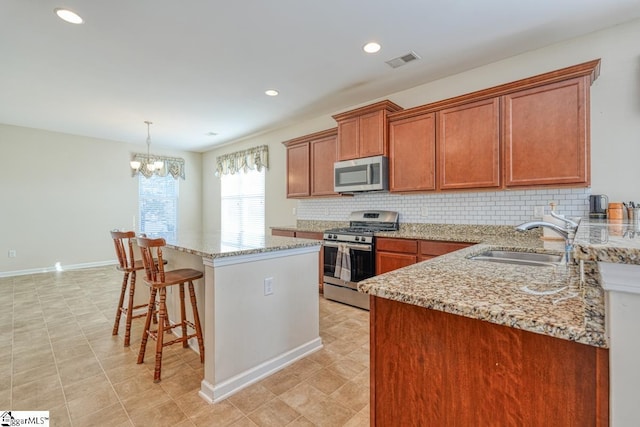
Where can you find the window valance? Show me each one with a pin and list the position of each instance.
(173, 166)
(252, 158)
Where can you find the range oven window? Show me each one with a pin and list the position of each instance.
(362, 261)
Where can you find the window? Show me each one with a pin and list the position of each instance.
(242, 209)
(158, 204)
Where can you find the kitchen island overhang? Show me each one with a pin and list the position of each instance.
(253, 329)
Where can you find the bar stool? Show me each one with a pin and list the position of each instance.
(123, 241)
(158, 280)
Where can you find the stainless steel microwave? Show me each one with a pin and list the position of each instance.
(357, 175)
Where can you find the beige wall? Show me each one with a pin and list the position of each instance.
(61, 194)
(615, 115)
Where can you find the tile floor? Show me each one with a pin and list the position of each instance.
(59, 355)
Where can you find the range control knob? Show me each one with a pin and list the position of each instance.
(357, 238)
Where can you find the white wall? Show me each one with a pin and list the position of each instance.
(61, 194)
(615, 118)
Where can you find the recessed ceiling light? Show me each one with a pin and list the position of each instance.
(68, 16)
(271, 92)
(371, 47)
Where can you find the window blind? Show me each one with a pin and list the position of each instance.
(158, 206)
(242, 209)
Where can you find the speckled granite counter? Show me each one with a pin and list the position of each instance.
(214, 246)
(501, 293)
(608, 241)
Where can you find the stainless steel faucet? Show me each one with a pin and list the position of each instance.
(568, 233)
(535, 224)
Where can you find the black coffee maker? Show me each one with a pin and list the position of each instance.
(598, 206)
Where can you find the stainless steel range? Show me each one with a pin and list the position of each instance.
(349, 255)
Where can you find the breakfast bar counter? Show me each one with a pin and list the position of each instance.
(259, 302)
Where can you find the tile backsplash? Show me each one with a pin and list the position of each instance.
(490, 207)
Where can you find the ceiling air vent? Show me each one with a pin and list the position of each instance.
(401, 60)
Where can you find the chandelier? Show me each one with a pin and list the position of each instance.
(151, 164)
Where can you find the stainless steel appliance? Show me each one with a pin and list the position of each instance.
(349, 255)
(357, 175)
(598, 206)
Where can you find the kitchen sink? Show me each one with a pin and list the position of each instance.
(533, 259)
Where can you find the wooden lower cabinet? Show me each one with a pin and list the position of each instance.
(393, 253)
(430, 368)
(314, 235)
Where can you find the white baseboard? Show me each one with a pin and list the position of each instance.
(213, 393)
(54, 268)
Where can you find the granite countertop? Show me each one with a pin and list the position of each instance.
(550, 301)
(502, 293)
(608, 241)
(212, 245)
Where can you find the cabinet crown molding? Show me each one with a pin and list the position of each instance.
(387, 105)
(313, 136)
(590, 69)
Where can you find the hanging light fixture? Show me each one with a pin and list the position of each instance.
(152, 165)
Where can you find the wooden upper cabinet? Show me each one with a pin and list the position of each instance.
(298, 170)
(363, 132)
(348, 137)
(310, 160)
(323, 156)
(546, 134)
(412, 153)
(372, 134)
(469, 145)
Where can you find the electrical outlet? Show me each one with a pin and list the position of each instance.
(268, 286)
(294, 211)
(12, 253)
(326, 211)
(538, 211)
(424, 211)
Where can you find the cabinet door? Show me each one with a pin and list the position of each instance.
(412, 153)
(435, 248)
(469, 145)
(372, 134)
(323, 156)
(348, 139)
(392, 254)
(298, 170)
(388, 261)
(546, 140)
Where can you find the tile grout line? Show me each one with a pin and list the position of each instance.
(13, 320)
(55, 359)
(108, 378)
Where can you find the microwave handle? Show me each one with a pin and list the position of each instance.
(369, 173)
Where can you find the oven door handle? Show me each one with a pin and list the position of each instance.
(366, 248)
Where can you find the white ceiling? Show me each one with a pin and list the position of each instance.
(199, 66)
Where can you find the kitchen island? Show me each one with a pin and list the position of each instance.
(456, 341)
(259, 303)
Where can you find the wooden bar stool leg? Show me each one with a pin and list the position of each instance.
(163, 324)
(132, 291)
(116, 324)
(147, 325)
(196, 320)
(183, 318)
